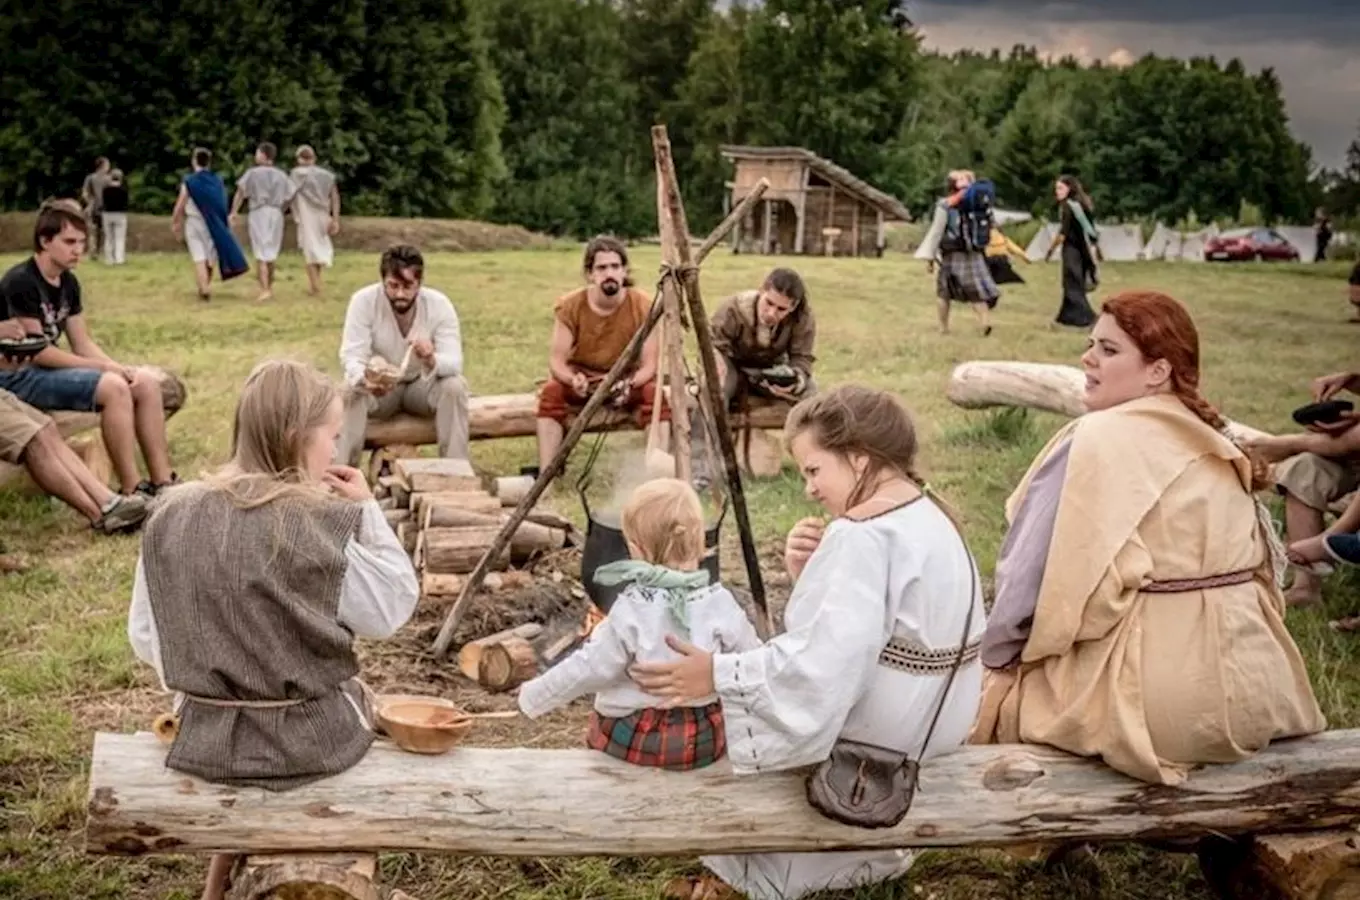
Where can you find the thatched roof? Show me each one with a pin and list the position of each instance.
(890, 205)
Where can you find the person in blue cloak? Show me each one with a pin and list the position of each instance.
(200, 220)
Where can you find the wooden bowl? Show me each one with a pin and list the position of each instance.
(420, 724)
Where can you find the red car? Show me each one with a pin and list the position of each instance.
(1240, 244)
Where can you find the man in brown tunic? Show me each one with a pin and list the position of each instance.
(764, 340)
(592, 327)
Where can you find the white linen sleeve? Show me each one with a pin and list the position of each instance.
(146, 642)
(356, 344)
(447, 337)
(380, 589)
(787, 701)
(735, 630)
(600, 662)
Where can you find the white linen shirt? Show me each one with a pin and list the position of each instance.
(371, 329)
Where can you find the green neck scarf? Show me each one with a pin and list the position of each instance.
(679, 586)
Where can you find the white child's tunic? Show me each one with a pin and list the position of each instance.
(635, 630)
(906, 576)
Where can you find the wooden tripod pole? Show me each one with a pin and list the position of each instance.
(624, 363)
(717, 406)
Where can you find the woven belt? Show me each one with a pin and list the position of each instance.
(906, 655)
(1185, 585)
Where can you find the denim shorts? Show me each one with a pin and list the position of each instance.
(53, 389)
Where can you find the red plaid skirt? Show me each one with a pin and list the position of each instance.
(688, 737)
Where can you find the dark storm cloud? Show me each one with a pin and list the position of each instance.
(1311, 44)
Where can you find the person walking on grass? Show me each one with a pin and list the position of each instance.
(1080, 249)
(200, 220)
(268, 190)
(955, 248)
(316, 210)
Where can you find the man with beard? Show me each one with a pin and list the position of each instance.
(592, 327)
(402, 351)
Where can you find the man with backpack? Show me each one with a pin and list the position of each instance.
(956, 247)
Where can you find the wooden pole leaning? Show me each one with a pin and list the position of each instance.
(625, 362)
(717, 406)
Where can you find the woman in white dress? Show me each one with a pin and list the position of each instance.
(874, 625)
(316, 210)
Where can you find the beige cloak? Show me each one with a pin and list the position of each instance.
(1153, 683)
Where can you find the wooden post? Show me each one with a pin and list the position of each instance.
(545, 477)
(768, 209)
(674, 231)
(829, 248)
(800, 227)
(854, 231)
(879, 239)
(708, 359)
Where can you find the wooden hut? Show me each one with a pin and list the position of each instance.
(812, 205)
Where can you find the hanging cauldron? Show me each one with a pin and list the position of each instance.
(605, 544)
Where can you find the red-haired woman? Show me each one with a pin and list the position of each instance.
(1138, 613)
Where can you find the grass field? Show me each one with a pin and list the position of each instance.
(66, 668)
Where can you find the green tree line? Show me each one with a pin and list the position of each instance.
(537, 112)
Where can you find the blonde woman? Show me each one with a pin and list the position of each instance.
(251, 587)
(316, 210)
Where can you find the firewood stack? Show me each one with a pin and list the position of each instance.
(446, 519)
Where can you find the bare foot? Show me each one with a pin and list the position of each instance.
(1303, 595)
(265, 297)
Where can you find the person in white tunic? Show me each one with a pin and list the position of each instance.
(250, 588)
(316, 210)
(873, 627)
(414, 332)
(268, 189)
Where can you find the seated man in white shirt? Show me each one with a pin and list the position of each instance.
(406, 324)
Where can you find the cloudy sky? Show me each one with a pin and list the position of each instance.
(1313, 45)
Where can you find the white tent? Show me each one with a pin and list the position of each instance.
(1121, 242)
(1042, 241)
(1192, 243)
(1010, 216)
(1162, 240)
(1302, 237)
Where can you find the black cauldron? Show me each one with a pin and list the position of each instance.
(605, 544)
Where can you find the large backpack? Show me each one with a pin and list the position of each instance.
(970, 223)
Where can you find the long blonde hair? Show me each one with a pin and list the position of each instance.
(281, 403)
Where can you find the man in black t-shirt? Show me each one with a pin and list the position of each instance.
(42, 293)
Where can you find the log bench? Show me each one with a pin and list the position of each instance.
(81, 430)
(533, 802)
(512, 415)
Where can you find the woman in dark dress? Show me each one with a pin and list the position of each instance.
(1078, 238)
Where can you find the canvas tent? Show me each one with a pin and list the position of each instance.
(1042, 241)
(1192, 243)
(1120, 242)
(1163, 240)
(1303, 238)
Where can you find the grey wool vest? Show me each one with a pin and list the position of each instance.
(246, 608)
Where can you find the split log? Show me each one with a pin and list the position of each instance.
(513, 489)
(1049, 387)
(440, 584)
(452, 517)
(441, 587)
(1317, 865)
(329, 876)
(506, 664)
(398, 491)
(468, 501)
(512, 415)
(396, 516)
(537, 802)
(437, 475)
(457, 550)
(407, 534)
(470, 655)
(387, 504)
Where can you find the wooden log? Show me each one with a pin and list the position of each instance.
(314, 877)
(457, 550)
(387, 504)
(513, 489)
(407, 534)
(535, 802)
(1045, 386)
(506, 664)
(440, 584)
(439, 516)
(531, 539)
(438, 475)
(1315, 865)
(397, 490)
(470, 654)
(396, 516)
(512, 415)
(468, 501)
